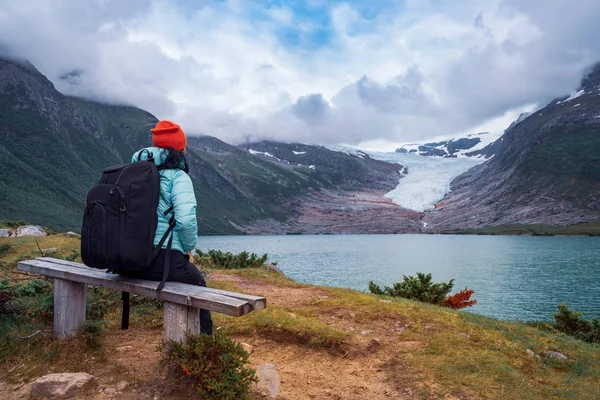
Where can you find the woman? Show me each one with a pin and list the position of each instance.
(176, 199)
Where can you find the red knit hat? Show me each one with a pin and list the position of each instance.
(168, 134)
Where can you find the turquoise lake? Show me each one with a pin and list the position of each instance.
(514, 277)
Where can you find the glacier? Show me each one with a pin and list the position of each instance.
(428, 179)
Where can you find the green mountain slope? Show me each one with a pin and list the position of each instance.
(54, 147)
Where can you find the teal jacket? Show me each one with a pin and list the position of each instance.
(176, 190)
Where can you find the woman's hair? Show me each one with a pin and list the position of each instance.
(175, 160)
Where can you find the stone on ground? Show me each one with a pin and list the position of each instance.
(269, 383)
(557, 355)
(63, 386)
(29, 230)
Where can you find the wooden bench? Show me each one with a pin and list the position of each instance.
(182, 302)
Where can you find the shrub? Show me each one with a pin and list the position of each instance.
(228, 260)
(91, 331)
(419, 288)
(216, 364)
(5, 248)
(572, 323)
(460, 300)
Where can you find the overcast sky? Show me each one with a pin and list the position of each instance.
(371, 73)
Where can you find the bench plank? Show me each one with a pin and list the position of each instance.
(257, 302)
(174, 292)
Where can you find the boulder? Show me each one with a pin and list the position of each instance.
(4, 233)
(29, 230)
(63, 386)
(72, 234)
(557, 355)
(269, 383)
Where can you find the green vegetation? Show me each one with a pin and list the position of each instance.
(217, 365)
(227, 260)
(573, 324)
(431, 351)
(586, 229)
(420, 288)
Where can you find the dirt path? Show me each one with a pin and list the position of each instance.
(133, 357)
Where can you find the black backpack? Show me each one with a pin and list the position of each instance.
(119, 222)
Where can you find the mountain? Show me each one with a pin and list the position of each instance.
(468, 146)
(53, 148)
(545, 170)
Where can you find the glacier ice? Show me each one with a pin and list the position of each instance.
(428, 178)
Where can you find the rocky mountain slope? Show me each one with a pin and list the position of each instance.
(467, 146)
(545, 170)
(54, 147)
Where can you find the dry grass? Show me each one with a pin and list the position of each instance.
(426, 351)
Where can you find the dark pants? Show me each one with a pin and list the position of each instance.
(181, 270)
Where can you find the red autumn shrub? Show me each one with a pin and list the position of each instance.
(460, 300)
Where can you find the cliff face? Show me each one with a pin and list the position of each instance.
(545, 170)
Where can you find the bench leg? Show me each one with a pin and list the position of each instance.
(69, 307)
(180, 320)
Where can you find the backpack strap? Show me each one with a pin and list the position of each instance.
(168, 255)
(149, 158)
(125, 314)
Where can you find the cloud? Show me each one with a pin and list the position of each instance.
(324, 72)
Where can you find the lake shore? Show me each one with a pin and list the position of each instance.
(325, 343)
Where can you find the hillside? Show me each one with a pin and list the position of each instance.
(324, 342)
(54, 148)
(545, 170)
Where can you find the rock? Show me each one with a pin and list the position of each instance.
(530, 353)
(385, 301)
(269, 382)
(51, 249)
(110, 391)
(72, 234)
(124, 348)
(364, 333)
(273, 268)
(29, 230)
(122, 385)
(557, 355)
(4, 233)
(63, 386)
(249, 349)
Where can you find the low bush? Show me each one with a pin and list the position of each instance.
(422, 288)
(217, 365)
(419, 288)
(572, 323)
(227, 260)
(460, 300)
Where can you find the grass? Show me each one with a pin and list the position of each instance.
(586, 229)
(461, 355)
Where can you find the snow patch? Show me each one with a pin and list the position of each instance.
(577, 105)
(266, 154)
(298, 152)
(572, 96)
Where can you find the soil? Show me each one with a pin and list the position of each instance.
(371, 369)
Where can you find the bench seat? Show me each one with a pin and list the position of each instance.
(181, 301)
